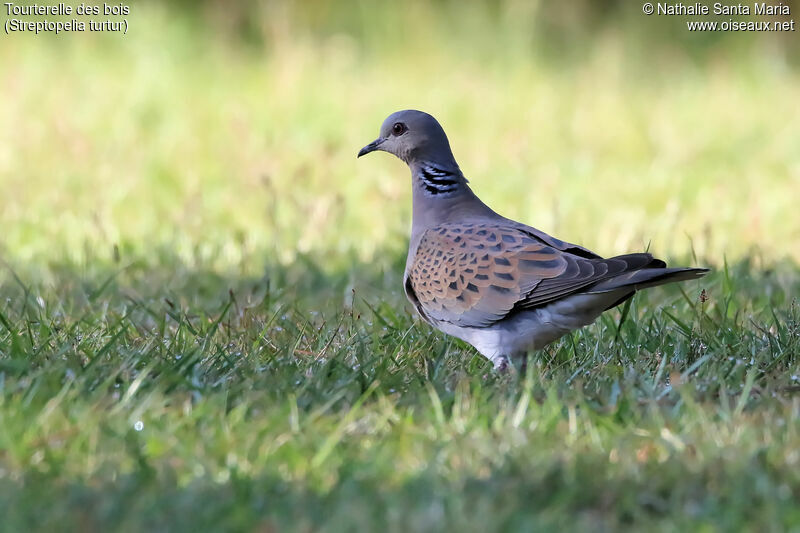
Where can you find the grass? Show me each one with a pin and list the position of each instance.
(152, 397)
(202, 323)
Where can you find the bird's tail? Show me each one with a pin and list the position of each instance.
(648, 277)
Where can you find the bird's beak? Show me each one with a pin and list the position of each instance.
(371, 147)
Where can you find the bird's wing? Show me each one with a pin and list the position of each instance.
(558, 244)
(473, 275)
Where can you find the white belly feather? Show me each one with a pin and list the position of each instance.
(531, 330)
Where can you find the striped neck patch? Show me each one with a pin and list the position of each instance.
(437, 181)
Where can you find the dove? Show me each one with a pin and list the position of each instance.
(502, 286)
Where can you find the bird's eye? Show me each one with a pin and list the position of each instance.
(399, 128)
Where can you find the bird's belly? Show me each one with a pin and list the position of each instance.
(532, 329)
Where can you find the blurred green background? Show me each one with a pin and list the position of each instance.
(230, 130)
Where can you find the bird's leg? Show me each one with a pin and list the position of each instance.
(523, 367)
(501, 364)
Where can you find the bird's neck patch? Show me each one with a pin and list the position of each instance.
(438, 181)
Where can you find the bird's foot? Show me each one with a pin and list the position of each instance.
(501, 364)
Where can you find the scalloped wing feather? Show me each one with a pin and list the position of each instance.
(474, 274)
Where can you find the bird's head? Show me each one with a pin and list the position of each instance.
(412, 136)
